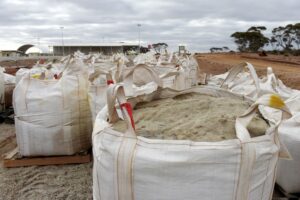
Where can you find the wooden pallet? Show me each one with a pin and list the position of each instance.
(11, 159)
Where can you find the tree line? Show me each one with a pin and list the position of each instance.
(283, 39)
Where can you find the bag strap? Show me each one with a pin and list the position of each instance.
(169, 74)
(128, 78)
(99, 72)
(127, 147)
(234, 71)
(116, 93)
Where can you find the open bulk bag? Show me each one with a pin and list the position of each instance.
(216, 80)
(22, 72)
(248, 84)
(288, 173)
(9, 79)
(275, 85)
(293, 103)
(143, 79)
(127, 166)
(48, 72)
(101, 78)
(191, 68)
(187, 71)
(98, 82)
(147, 82)
(52, 117)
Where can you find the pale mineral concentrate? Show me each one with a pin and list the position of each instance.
(192, 116)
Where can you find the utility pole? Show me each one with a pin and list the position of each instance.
(139, 29)
(62, 40)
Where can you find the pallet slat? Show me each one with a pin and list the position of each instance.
(9, 161)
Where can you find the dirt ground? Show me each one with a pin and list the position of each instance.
(286, 68)
(70, 182)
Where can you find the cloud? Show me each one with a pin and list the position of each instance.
(200, 24)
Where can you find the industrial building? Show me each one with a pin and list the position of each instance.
(23, 50)
(10, 53)
(105, 48)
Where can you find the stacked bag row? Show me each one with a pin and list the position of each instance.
(56, 103)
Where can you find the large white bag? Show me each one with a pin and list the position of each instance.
(52, 117)
(9, 79)
(248, 83)
(187, 71)
(184, 69)
(149, 81)
(98, 82)
(143, 79)
(288, 173)
(129, 167)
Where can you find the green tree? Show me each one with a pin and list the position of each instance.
(225, 48)
(284, 36)
(273, 42)
(215, 49)
(252, 40)
(296, 30)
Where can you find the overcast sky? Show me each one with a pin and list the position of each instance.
(200, 24)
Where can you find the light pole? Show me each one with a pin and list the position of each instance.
(62, 40)
(139, 29)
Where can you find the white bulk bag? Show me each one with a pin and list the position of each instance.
(98, 82)
(272, 84)
(52, 117)
(293, 103)
(22, 72)
(216, 80)
(187, 72)
(288, 173)
(9, 79)
(248, 83)
(190, 66)
(33, 72)
(147, 82)
(128, 167)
